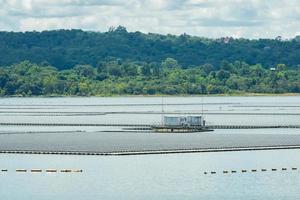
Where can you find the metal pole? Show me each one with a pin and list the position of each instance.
(162, 110)
(202, 105)
(202, 110)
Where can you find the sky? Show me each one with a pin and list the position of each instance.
(206, 18)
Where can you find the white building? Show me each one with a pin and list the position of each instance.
(184, 121)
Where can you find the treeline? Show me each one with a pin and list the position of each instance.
(66, 48)
(122, 77)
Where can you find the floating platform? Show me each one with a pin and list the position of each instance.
(180, 129)
(95, 143)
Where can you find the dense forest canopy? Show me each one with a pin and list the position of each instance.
(64, 49)
(75, 62)
(117, 77)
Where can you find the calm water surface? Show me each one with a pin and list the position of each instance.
(217, 110)
(176, 176)
(179, 176)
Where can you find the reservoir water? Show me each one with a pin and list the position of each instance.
(167, 176)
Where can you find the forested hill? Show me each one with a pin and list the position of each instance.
(64, 49)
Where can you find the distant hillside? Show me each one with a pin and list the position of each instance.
(66, 48)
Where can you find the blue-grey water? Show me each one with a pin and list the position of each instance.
(177, 176)
(174, 176)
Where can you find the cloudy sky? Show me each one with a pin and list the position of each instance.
(209, 18)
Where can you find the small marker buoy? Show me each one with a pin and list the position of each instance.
(51, 170)
(65, 170)
(21, 170)
(36, 170)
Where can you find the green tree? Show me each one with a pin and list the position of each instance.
(170, 63)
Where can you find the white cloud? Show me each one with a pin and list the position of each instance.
(210, 18)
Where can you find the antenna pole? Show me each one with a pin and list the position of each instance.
(162, 110)
(202, 109)
(202, 105)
